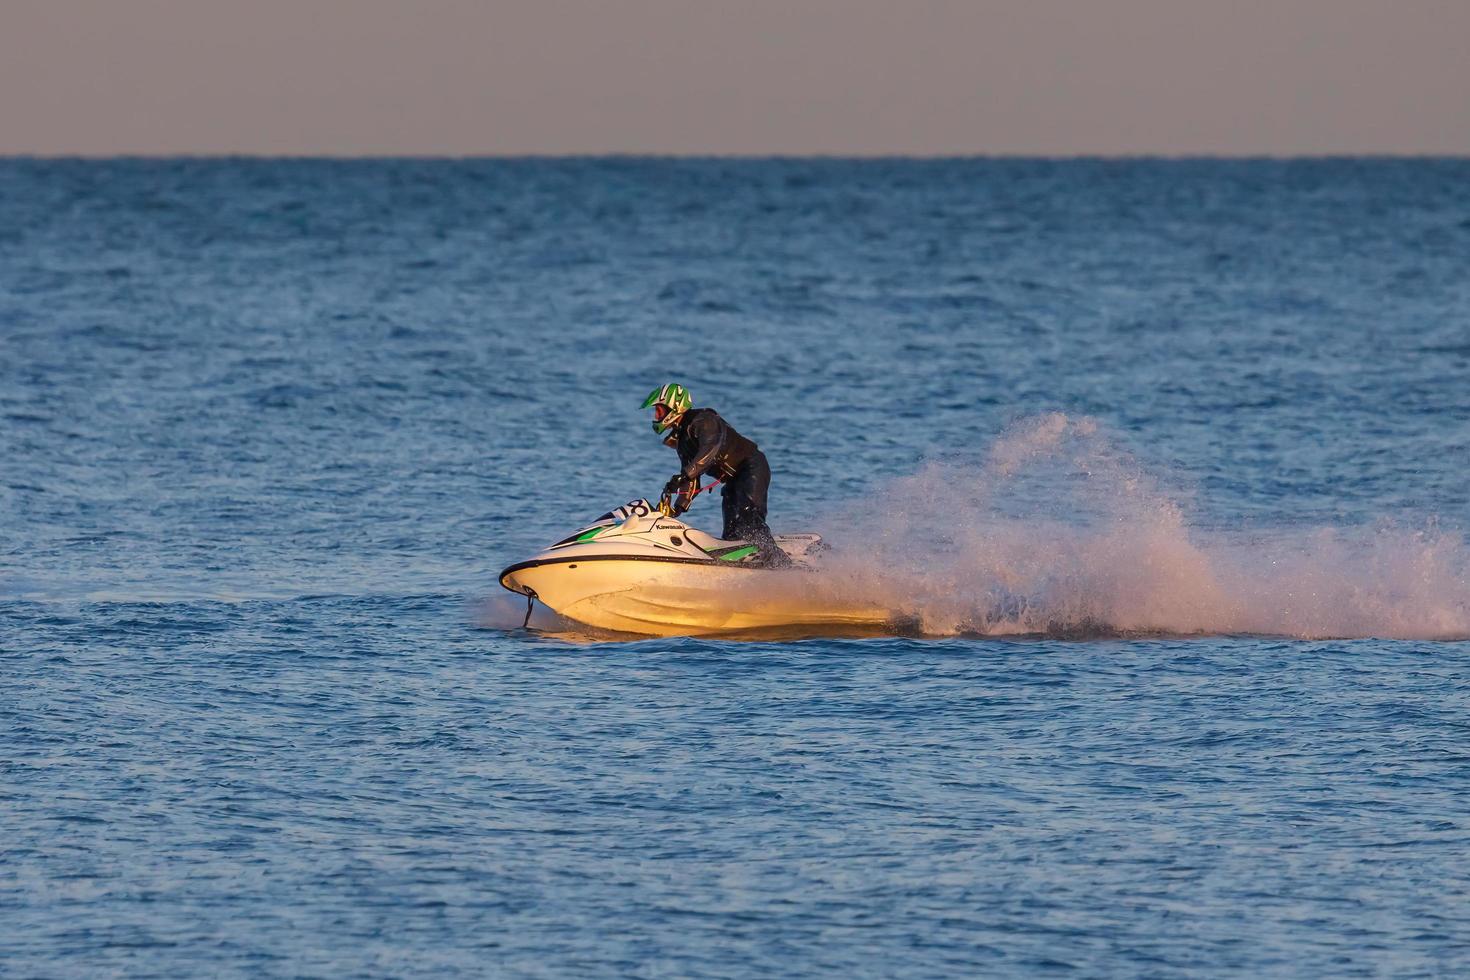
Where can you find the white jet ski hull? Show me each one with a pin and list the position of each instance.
(650, 597)
(643, 572)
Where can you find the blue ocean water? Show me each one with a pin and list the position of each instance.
(1166, 459)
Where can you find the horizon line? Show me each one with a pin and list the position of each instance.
(877, 157)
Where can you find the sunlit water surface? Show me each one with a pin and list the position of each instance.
(1164, 464)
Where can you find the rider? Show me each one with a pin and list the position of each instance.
(708, 445)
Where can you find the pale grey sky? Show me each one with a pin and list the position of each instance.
(347, 77)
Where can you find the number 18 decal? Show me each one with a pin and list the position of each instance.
(633, 508)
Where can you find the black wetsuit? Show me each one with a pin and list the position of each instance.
(710, 446)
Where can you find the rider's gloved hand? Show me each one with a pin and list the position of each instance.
(682, 489)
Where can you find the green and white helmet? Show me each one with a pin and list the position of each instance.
(674, 400)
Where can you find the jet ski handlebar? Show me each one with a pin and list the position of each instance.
(667, 502)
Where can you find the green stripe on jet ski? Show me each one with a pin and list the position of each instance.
(588, 536)
(739, 553)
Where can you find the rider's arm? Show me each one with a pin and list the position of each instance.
(709, 431)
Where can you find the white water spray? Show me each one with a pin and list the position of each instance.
(1059, 531)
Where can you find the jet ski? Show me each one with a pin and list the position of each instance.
(639, 569)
